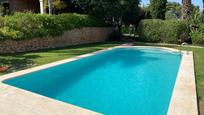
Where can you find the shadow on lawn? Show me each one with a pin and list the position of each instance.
(25, 60)
(17, 62)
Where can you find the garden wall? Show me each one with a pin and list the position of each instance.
(72, 37)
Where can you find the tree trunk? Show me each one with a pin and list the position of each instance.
(186, 9)
(50, 6)
(41, 7)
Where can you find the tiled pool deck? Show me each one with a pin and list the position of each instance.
(15, 101)
(184, 99)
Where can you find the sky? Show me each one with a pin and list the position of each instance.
(195, 2)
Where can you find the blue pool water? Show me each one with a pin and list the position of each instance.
(123, 81)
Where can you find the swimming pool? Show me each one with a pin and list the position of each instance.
(125, 81)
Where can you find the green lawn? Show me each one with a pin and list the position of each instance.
(21, 61)
(27, 60)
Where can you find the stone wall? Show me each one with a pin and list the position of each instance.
(72, 37)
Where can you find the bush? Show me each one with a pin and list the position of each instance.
(32, 25)
(29, 25)
(165, 31)
(6, 33)
(1, 22)
(197, 37)
(201, 28)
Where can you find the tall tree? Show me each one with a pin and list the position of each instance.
(111, 11)
(186, 9)
(175, 9)
(158, 8)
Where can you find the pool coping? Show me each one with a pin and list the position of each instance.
(184, 97)
(183, 101)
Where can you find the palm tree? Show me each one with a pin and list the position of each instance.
(186, 9)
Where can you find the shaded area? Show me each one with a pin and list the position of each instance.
(21, 61)
(17, 62)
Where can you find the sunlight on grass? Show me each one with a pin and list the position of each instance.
(26, 60)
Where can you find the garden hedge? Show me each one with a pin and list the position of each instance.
(165, 31)
(197, 35)
(22, 26)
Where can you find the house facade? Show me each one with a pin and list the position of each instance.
(21, 5)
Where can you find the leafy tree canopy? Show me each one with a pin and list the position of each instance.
(56, 4)
(158, 8)
(174, 10)
(196, 16)
(112, 11)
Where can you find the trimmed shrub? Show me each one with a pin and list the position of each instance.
(32, 25)
(197, 34)
(28, 25)
(197, 37)
(7, 33)
(165, 31)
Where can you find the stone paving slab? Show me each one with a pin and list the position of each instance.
(184, 98)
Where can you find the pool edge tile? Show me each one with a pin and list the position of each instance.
(15, 101)
(184, 97)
